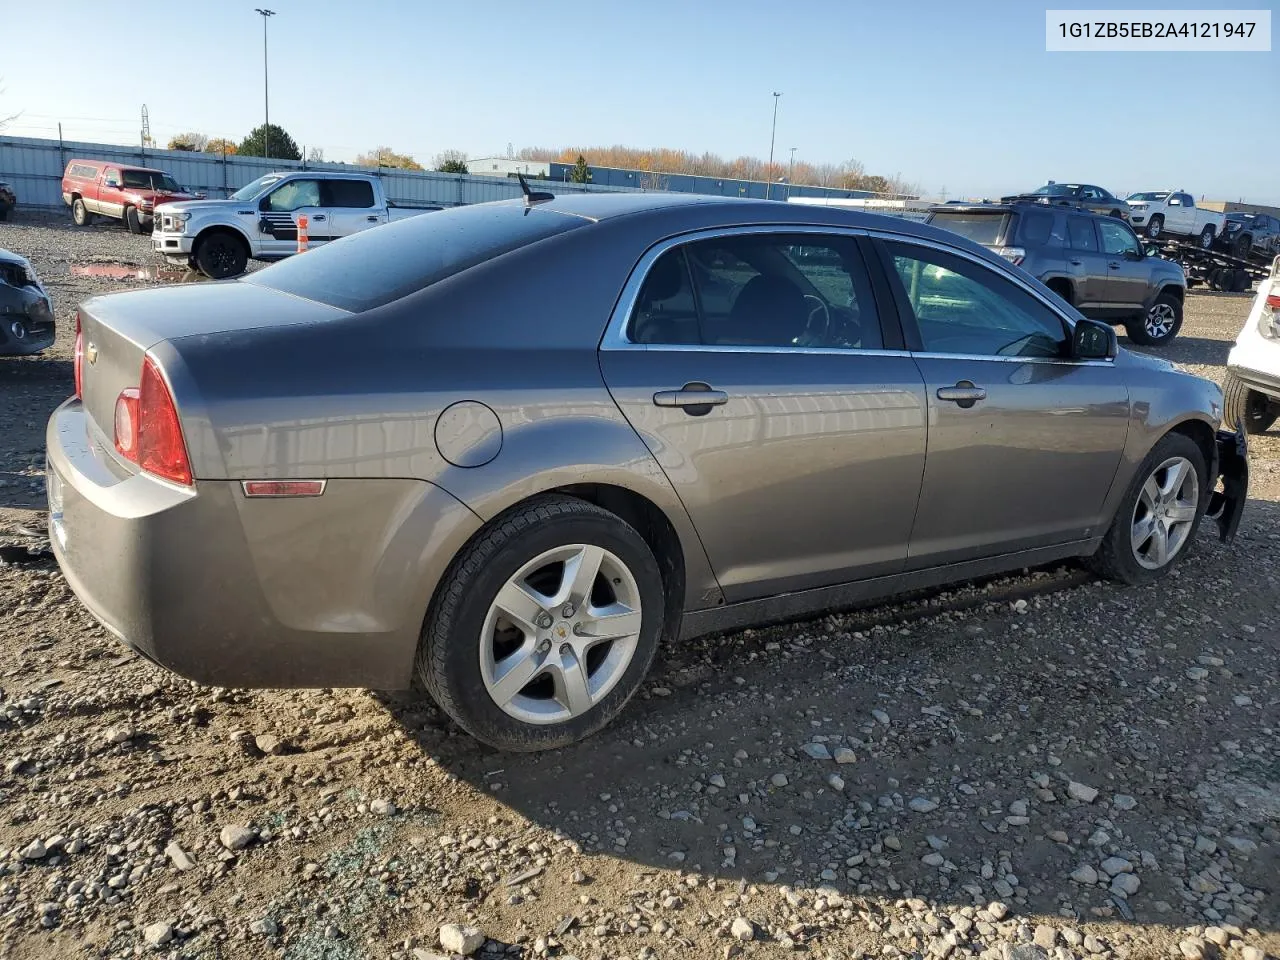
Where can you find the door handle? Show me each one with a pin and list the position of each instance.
(1113, 265)
(964, 394)
(695, 398)
(372, 219)
(1075, 263)
(318, 217)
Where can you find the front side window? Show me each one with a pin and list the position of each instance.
(294, 195)
(966, 309)
(1117, 239)
(1080, 232)
(761, 290)
(254, 189)
(1186, 200)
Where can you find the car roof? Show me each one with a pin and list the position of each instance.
(122, 166)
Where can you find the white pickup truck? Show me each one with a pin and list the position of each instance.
(1174, 212)
(260, 220)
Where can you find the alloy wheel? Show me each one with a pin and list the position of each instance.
(560, 634)
(1165, 513)
(1160, 320)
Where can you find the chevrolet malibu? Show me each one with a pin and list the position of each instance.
(505, 451)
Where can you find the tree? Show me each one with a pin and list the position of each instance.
(450, 161)
(580, 172)
(386, 157)
(191, 141)
(315, 154)
(280, 145)
(220, 145)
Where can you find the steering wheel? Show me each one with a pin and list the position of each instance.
(814, 311)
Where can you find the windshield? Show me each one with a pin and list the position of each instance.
(251, 190)
(1056, 190)
(984, 228)
(1148, 197)
(150, 180)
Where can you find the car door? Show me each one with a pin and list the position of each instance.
(1023, 441)
(1178, 217)
(1086, 266)
(754, 366)
(279, 211)
(1129, 278)
(107, 197)
(352, 206)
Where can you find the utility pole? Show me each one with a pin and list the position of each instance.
(791, 172)
(768, 176)
(266, 99)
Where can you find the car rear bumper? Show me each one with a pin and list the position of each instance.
(327, 591)
(1254, 379)
(22, 335)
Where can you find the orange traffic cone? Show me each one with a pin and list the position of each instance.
(303, 239)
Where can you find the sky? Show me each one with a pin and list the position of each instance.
(960, 97)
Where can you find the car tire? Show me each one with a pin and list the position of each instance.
(132, 220)
(1159, 324)
(1155, 226)
(4, 212)
(1206, 238)
(80, 214)
(221, 255)
(1241, 282)
(1125, 554)
(1242, 247)
(1116, 214)
(467, 637)
(1256, 411)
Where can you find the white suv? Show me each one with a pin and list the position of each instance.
(1252, 390)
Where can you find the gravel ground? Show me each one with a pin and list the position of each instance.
(1030, 767)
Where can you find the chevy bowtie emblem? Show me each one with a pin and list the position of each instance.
(560, 630)
(91, 351)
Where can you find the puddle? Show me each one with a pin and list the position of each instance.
(121, 271)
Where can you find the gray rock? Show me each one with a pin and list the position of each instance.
(1113, 865)
(933, 860)
(157, 934)
(716, 780)
(266, 927)
(998, 910)
(922, 805)
(818, 751)
(1197, 674)
(1193, 948)
(1045, 936)
(1018, 808)
(179, 857)
(779, 780)
(235, 836)
(1205, 845)
(1252, 953)
(881, 717)
(1122, 801)
(35, 850)
(270, 744)
(383, 807)
(1126, 884)
(835, 782)
(1217, 935)
(118, 735)
(459, 938)
(1085, 874)
(845, 755)
(1242, 845)
(742, 929)
(1081, 792)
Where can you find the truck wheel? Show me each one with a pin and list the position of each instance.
(1155, 226)
(80, 214)
(1255, 410)
(1159, 324)
(131, 220)
(1206, 238)
(221, 255)
(1116, 214)
(1240, 280)
(1242, 247)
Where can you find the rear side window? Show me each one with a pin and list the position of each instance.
(375, 267)
(347, 193)
(83, 171)
(1080, 230)
(1036, 227)
(985, 228)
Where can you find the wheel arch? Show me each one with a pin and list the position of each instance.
(206, 232)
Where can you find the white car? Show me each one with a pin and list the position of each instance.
(1251, 392)
(1160, 212)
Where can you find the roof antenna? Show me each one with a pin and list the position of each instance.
(532, 196)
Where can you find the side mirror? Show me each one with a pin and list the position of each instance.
(1150, 250)
(1093, 340)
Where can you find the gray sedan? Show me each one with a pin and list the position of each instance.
(505, 451)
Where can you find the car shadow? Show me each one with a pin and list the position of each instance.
(1198, 350)
(955, 721)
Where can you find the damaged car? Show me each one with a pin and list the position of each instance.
(26, 313)
(504, 452)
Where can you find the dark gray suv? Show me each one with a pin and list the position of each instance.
(1095, 263)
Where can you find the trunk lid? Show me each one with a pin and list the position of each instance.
(118, 329)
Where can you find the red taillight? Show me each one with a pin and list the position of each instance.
(127, 423)
(1273, 301)
(147, 427)
(79, 361)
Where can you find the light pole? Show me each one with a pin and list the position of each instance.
(772, 134)
(791, 172)
(266, 100)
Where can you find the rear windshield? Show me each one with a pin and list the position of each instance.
(383, 264)
(984, 228)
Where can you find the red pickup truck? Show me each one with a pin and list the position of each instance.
(94, 188)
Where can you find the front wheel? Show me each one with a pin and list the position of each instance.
(1155, 227)
(80, 214)
(1255, 410)
(221, 255)
(131, 220)
(1159, 514)
(1242, 248)
(1206, 238)
(544, 626)
(1159, 324)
